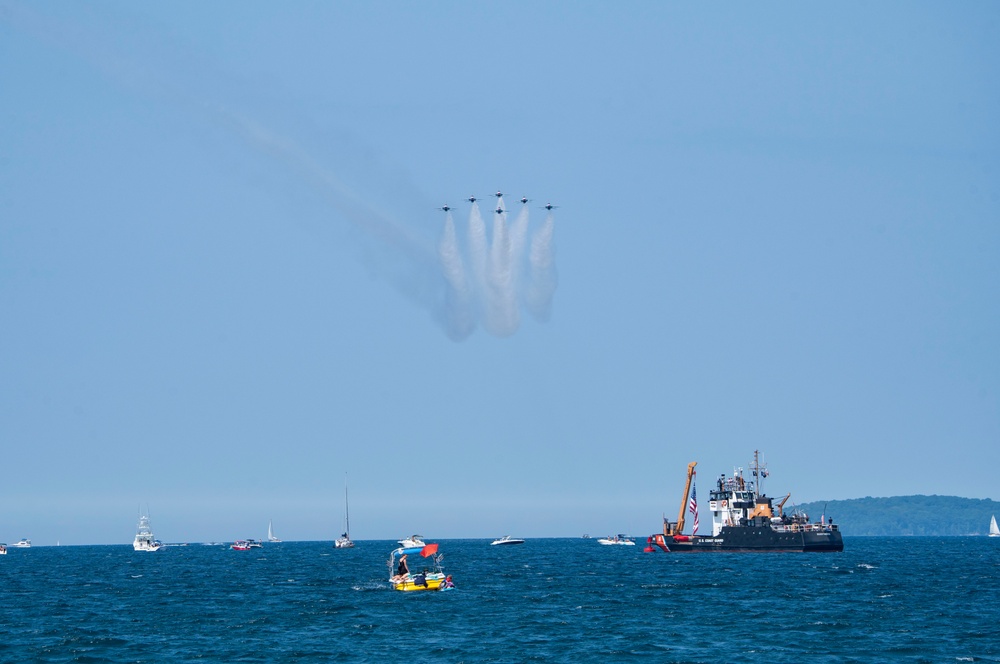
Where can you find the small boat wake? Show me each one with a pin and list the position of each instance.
(370, 586)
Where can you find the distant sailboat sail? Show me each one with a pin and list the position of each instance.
(344, 541)
(270, 533)
(994, 530)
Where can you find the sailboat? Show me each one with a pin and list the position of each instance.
(994, 530)
(270, 533)
(344, 541)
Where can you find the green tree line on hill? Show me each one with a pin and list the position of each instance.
(906, 515)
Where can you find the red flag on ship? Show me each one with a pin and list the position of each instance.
(693, 507)
(429, 550)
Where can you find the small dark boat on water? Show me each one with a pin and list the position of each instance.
(745, 519)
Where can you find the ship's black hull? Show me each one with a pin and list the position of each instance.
(762, 539)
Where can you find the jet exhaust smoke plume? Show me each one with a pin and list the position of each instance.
(460, 315)
(542, 285)
(502, 275)
(487, 285)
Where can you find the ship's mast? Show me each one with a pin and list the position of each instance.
(759, 473)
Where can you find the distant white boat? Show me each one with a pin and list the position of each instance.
(619, 540)
(270, 533)
(994, 530)
(506, 539)
(3, 549)
(25, 543)
(144, 540)
(412, 542)
(344, 541)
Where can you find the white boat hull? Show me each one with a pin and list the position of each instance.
(411, 542)
(503, 541)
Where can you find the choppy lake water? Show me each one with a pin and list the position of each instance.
(895, 599)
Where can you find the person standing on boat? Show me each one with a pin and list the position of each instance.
(403, 568)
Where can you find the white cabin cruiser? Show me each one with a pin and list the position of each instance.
(411, 542)
(144, 540)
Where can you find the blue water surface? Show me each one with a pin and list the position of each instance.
(888, 599)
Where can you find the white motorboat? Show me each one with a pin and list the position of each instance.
(617, 540)
(270, 533)
(344, 541)
(412, 542)
(25, 543)
(3, 549)
(506, 539)
(144, 540)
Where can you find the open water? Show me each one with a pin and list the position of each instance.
(897, 599)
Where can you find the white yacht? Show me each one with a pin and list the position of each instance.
(617, 540)
(506, 539)
(144, 540)
(412, 542)
(25, 543)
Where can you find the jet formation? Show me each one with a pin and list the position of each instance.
(494, 272)
(524, 200)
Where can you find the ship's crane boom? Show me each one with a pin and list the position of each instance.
(679, 528)
(781, 512)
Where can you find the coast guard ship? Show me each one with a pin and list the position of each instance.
(745, 519)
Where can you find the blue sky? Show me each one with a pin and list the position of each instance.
(221, 287)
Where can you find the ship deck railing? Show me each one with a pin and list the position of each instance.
(804, 527)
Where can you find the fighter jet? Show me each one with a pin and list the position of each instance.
(549, 207)
(499, 195)
(444, 207)
(500, 210)
(524, 199)
(472, 199)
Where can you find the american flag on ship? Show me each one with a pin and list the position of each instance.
(693, 507)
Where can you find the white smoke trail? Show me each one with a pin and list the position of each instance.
(477, 249)
(518, 237)
(543, 280)
(460, 318)
(502, 314)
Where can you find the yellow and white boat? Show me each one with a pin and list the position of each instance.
(429, 577)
